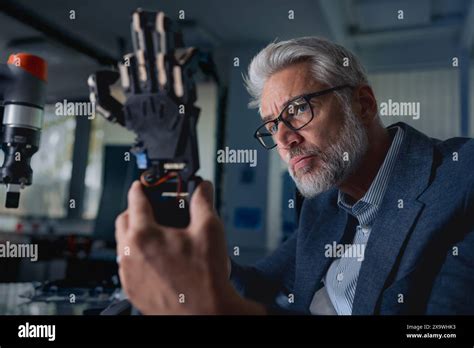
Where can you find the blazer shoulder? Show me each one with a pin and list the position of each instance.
(454, 154)
(454, 162)
(455, 146)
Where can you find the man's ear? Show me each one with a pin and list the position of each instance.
(364, 103)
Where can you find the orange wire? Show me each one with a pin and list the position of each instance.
(159, 182)
(162, 180)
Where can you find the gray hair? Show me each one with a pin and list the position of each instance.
(327, 59)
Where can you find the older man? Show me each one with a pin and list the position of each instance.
(403, 199)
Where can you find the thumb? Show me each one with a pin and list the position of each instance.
(202, 201)
(140, 212)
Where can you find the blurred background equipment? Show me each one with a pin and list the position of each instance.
(23, 95)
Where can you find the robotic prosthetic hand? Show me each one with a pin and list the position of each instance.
(153, 95)
(23, 94)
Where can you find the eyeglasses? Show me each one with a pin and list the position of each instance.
(296, 114)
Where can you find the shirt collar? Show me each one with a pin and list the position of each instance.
(366, 208)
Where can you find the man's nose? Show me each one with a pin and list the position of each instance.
(287, 138)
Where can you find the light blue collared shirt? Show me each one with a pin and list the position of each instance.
(341, 278)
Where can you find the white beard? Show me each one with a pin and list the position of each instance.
(332, 169)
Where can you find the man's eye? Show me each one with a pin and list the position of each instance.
(272, 128)
(302, 108)
(297, 109)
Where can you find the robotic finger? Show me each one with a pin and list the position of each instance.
(102, 96)
(128, 75)
(142, 39)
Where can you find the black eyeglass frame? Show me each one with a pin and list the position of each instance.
(277, 120)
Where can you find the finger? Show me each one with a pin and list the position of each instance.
(100, 88)
(143, 46)
(188, 60)
(121, 227)
(121, 222)
(202, 202)
(140, 212)
(123, 281)
(129, 74)
(167, 38)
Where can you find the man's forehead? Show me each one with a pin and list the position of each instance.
(282, 102)
(284, 87)
(267, 115)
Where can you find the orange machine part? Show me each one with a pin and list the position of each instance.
(33, 64)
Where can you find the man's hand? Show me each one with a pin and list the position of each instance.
(165, 270)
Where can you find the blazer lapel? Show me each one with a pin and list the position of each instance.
(311, 260)
(394, 223)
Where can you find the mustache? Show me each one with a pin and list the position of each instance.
(299, 151)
